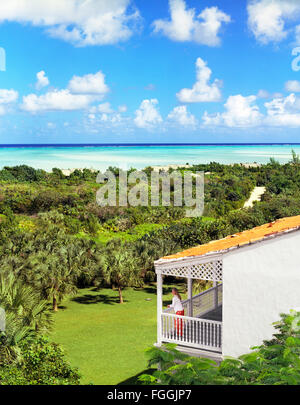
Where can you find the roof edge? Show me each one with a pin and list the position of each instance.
(215, 254)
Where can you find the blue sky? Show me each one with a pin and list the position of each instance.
(150, 71)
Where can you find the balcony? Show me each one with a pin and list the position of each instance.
(202, 327)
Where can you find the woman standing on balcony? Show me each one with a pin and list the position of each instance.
(178, 309)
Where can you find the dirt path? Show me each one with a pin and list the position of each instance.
(255, 196)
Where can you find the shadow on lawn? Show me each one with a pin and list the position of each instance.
(134, 379)
(167, 289)
(151, 289)
(96, 299)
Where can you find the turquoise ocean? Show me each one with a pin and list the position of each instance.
(139, 156)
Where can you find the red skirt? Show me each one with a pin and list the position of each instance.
(178, 323)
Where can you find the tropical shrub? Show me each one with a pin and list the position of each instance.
(41, 363)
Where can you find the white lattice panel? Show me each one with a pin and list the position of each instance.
(211, 271)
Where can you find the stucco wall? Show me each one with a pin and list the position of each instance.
(259, 282)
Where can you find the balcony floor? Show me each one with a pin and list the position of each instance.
(215, 315)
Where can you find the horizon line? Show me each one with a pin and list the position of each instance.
(24, 145)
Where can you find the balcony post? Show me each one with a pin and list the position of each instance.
(215, 285)
(190, 296)
(159, 306)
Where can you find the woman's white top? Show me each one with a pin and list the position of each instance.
(176, 304)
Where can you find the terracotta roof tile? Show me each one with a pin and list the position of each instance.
(241, 238)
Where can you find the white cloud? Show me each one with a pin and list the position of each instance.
(89, 84)
(103, 115)
(297, 34)
(42, 80)
(102, 108)
(82, 91)
(105, 108)
(122, 108)
(57, 100)
(185, 25)
(147, 115)
(239, 112)
(283, 111)
(111, 118)
(7, 97)
(267, 19)
(110, 121)
(263, 94)
(292, 86)
(202, 91)
(92, 22)
(180, 115)
(242, 112)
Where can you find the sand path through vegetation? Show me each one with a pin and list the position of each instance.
(255, 196)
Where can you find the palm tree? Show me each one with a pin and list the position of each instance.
(54, 275)
(26, 315)
(24, 302)
(11, 339)
(120, 269)
(38, 256)
(146, 253)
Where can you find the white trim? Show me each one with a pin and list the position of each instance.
(210, 270)
(190, 296)
(193, 345)
(167, 263)
(159, 287)
(183, 317)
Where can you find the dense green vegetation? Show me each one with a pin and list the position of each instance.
(55, 240)
(41, 362)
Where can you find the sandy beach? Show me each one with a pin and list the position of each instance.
(165, 168)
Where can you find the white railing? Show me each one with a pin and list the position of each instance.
(202, 303)
(191, 332)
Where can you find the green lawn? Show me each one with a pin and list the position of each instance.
(107, 340)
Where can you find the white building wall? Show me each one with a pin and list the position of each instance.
(259, 282)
